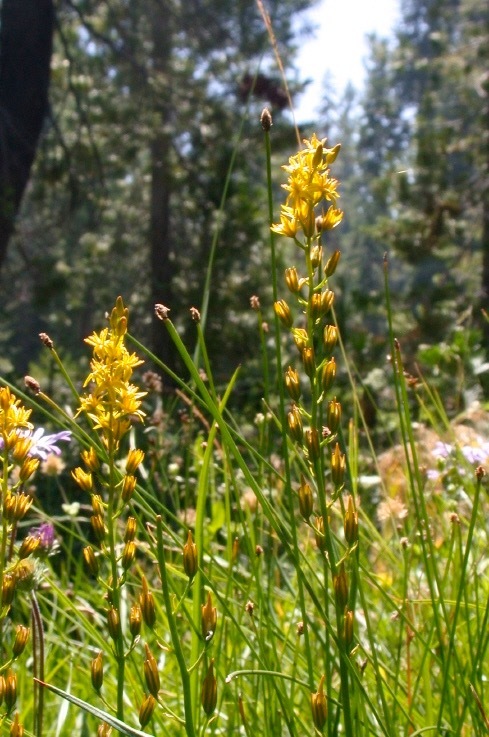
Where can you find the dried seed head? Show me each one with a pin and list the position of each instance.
(32, 384)
(209, 690)
(162, 312)
(255, 302)
(266, 119)
(46, 340)
(195, 314)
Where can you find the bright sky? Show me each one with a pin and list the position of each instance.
(339, 46)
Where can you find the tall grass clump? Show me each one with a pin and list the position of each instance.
(213, 579)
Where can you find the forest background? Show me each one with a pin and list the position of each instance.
(149, 179)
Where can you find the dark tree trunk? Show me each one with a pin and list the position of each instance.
(161, 180)
(26, 38)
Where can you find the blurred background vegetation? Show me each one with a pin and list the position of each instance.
(152, 151)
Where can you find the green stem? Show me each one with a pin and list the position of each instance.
(175, 637)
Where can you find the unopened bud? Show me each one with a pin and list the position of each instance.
(331, 264)
(8, 590)
(319, 707)
(327, 299)
(338, 466)
(97, 671)
(28, 546)
(146, 710)
(16, 728)
(294, 421)
(130, 531)
(334, 415)
(292, 383)
(190, 557)
(208, 619)
(308, 361)
(83, 479)
(305, 499)
(282, 310)
(21, 637)
(90, 459)
(348, 626)
(134, 458)
(351, 522)
(151, 674)
(316, 253)
(113, 623)
(330, 338)
(128, 486)
(328, 375)
(292, 280)
(209, 691)
(340, 584)
(27, 469)
(10, 691)
(128, 555)
(98, 527)
(135, 620)
(311, 438)
(147, 603)
(319, 533)
(90, 561)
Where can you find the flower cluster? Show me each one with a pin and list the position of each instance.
(113, 403)
(308, 185)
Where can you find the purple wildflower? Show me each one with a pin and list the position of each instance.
(45, 534)
(43, 445)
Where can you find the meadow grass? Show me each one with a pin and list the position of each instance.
(219, 579)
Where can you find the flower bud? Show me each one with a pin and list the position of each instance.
(135, 620)
(28, 546)
(130, 531)
(83, 479)
(16, 728)
(351, 522)
(316, 253)
(282, 310)
(340, 585)
(348, 626)
(104, 730)
(266, 119)
(27, 469)
(308, 222)
(311, 438)
(21, 637)
(319, 533)
(146, 710)
(208, 618)
(98, 527)
(2, 689)
(21, 448)
(128, 555)
(308, 361)
(90, 561)
(190, 557)
(292, 383)
(316, 306)
(319, 707)
(301, 339)
(97, 671)
(331, 264)
(327, 299)
(90, 459)
(147, 603)
(128, 486)
(151, 674)
(10, 691)
(328, 375)
(209, 690)
(292, 280)
(134, 459)
(330, 338)
(294, 421)
(338, 465)
(23, 503)
(334, 415)
(8, 590)
(113, 623)
(306, 501)
(24, 575)
(97, 505)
